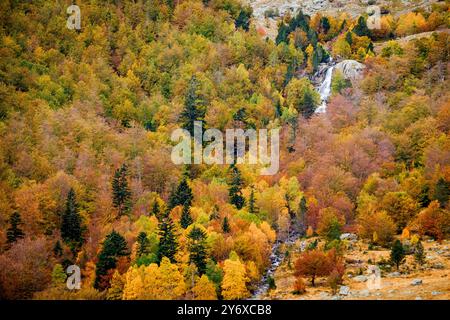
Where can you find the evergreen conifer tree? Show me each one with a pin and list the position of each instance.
(168, 244)
(235, 189)
(186, 219)
(197, 249)
(14, 232)
(113, 247)
(71, 228)
(121, 191)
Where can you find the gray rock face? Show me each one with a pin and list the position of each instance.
(348, 236)
(360, 278)
(416, 282)
(344, 291)
(351, 69)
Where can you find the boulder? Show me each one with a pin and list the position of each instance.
(416, 282)
(350, 69)
(348, 236)
(344, 290)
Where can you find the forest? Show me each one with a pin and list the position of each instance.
(86, 176)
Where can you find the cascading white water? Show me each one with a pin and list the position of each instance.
(325, 90)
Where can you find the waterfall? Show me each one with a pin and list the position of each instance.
(325, 90)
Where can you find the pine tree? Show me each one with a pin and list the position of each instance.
(243, 19)
(57, 249)
(197, 249)
(193, 106)
(113, 247)
(71, 228)
(235, 189)
(225, 225)
(186, 219)
(283, 33)
(156, 210)
(168, 244)
(324, 25)
(349, 37)
(361, 28)
(302, 208)
(442, 191)
(182, 195)
(14, 232)
(143, 244)
(252, 202)
(397, 254)
(419, 253)
(121, 191)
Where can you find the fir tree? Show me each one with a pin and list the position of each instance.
(113, 247)
(182, 195)
(168, 244)
(193, 106)
(197, 249)
(225, 225)
(186, 219)
(57, 249)
(397, 254)
(361, 28)
(252, 202)
(442, 191)
(243, 19)
(349, 37)
(121, 191)
(14, 232)
(419, 253)
(71, 228)
(324, 25)
(283, 33)
(235, 189)
(143, 244)
(156, 210)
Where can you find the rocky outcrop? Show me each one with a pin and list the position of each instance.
(351, 69)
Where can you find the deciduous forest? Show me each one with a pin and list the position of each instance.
(86, 176)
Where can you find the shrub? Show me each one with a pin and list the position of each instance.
(299, 286)
(377, 227)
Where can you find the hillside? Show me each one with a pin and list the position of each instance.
(119, 180)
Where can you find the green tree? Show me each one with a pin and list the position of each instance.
(252, 208)
(113, 247)
(235, 189)
(361, 28)
(181, 195)
(225, 225)
(194, 106)
(71, 228)
(397, 254)
(419, 253)
(168, 244)
(442, 191)
(186, 219)
(156, 210)
(243, 19)
(197, 249)
(143, 244)
(121, 191)
(14, 232)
